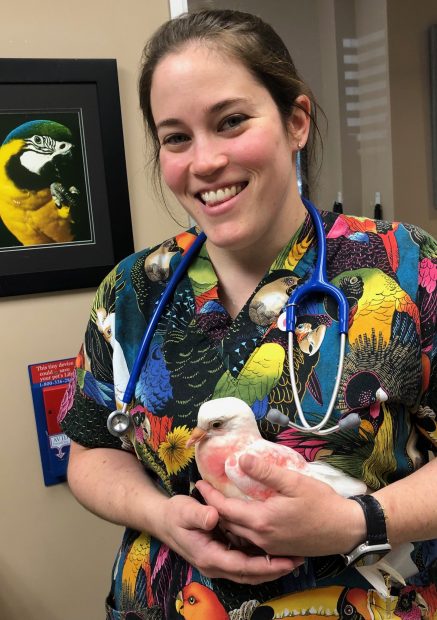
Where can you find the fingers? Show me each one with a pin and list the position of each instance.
(192, 533)
(277, 478)
(241, 568)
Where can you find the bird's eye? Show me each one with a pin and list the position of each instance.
(348, 610)
(62, 145)
(191, 600)
(37, 139)
(353, 280)
(216, 424)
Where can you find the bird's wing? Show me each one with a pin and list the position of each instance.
(342, 483)
(290, 459)
(259, 375)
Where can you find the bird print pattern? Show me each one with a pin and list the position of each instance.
(198, 353)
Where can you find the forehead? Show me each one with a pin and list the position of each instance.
(192, 56)
(200, 73)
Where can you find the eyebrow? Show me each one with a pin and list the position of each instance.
(217, 107)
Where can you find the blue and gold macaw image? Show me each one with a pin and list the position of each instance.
(42, 189)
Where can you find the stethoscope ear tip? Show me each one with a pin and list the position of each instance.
(352, 420)
(274, 416)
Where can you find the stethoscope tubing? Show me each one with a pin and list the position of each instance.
(319, 428)
(318, 283)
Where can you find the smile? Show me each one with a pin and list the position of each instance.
(222, 194)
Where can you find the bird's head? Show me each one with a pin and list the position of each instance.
(222, 416)
(44, 140)
(310, 332)
(198, 602)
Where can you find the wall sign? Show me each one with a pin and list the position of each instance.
(48, 382)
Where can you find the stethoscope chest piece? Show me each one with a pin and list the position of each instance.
(118, 423)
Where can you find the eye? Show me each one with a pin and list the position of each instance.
(62, 146)
(37, 139)
(191, 600)
(216, 424)
(348, 610)
(232, 122)
(175, 139)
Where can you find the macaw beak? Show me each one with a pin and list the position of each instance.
(197, 435)
(179, 602)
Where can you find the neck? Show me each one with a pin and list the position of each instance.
(239, 271)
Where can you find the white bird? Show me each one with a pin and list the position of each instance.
(226, 429)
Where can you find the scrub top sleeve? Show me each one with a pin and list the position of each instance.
(426, 417)
(90, 396)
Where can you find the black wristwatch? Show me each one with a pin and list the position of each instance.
(376, 545)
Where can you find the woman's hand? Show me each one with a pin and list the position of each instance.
(305, 518)
(190, 529)
(112, 484)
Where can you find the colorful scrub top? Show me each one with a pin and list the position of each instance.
(388, 274)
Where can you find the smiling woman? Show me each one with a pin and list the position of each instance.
(228, 113)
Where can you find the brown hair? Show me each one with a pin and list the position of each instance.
(247, 38)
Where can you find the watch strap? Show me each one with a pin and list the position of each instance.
(375, 519)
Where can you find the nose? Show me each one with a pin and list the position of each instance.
(207, 158)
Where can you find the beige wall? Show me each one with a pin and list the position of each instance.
(409, 22)
(55, 558)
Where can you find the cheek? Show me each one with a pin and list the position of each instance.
(173, 171)
(262, 150)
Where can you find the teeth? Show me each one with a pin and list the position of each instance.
(221, 194)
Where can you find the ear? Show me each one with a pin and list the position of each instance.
(299, 123)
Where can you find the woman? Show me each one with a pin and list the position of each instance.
(228, 113)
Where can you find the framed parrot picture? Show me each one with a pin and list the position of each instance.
(64, 204)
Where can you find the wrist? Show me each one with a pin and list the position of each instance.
(156, 516)
(375, 544)
(356, 529)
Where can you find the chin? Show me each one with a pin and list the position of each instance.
(226, 240)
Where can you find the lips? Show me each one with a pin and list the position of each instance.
(218, 196)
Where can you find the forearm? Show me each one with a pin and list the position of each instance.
(113, 485)
(410, 506)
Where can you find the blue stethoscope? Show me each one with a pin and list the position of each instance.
(119, 421)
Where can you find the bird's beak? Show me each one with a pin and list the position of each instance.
(179, 602)
(197, 435)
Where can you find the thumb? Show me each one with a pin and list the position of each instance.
(277, 478)
(205, 517)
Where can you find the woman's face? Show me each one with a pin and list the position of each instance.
(225, 153)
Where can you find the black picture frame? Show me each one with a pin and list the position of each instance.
(83, 95)
(433, 89)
